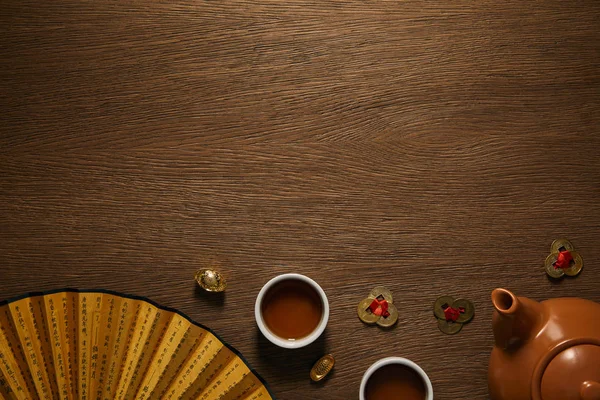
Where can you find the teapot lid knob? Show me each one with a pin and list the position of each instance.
(590, 390)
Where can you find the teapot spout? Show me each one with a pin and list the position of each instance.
(515, 320)
(505, 302)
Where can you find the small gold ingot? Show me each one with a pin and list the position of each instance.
(322, 367)
(211, 280)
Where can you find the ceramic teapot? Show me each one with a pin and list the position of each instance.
(544, 351)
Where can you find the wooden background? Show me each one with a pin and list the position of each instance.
(436, 147)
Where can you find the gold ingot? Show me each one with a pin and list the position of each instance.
(576, 265)
(322, 367)
(211, 280)
(364, 312)
(390, 320)
(469, 310)
(383, 292)
(449, 327)
(438, 306)
(559, 244)
(552, 271)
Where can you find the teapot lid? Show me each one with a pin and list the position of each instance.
(571, 373)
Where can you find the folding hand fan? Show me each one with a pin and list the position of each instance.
(104, 345)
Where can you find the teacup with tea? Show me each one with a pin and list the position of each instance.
(395, 378)
(291, 310)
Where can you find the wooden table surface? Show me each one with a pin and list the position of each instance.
(434, 147)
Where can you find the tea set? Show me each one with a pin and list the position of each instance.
(542, 351)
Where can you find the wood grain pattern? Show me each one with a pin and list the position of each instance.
(435, 147)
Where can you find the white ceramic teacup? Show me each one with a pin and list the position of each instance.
(287, 343)
(400, 361)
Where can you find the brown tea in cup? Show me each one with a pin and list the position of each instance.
(292, 309)
(395, 382)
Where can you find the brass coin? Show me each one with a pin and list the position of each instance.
(390, 320)
(549, 266)
(382, 291)
(469, 310)
(438, 310)
(449, 327)
(561, 243)
(322, 367)
(210, 280)
(575, 268)
(364, 313)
